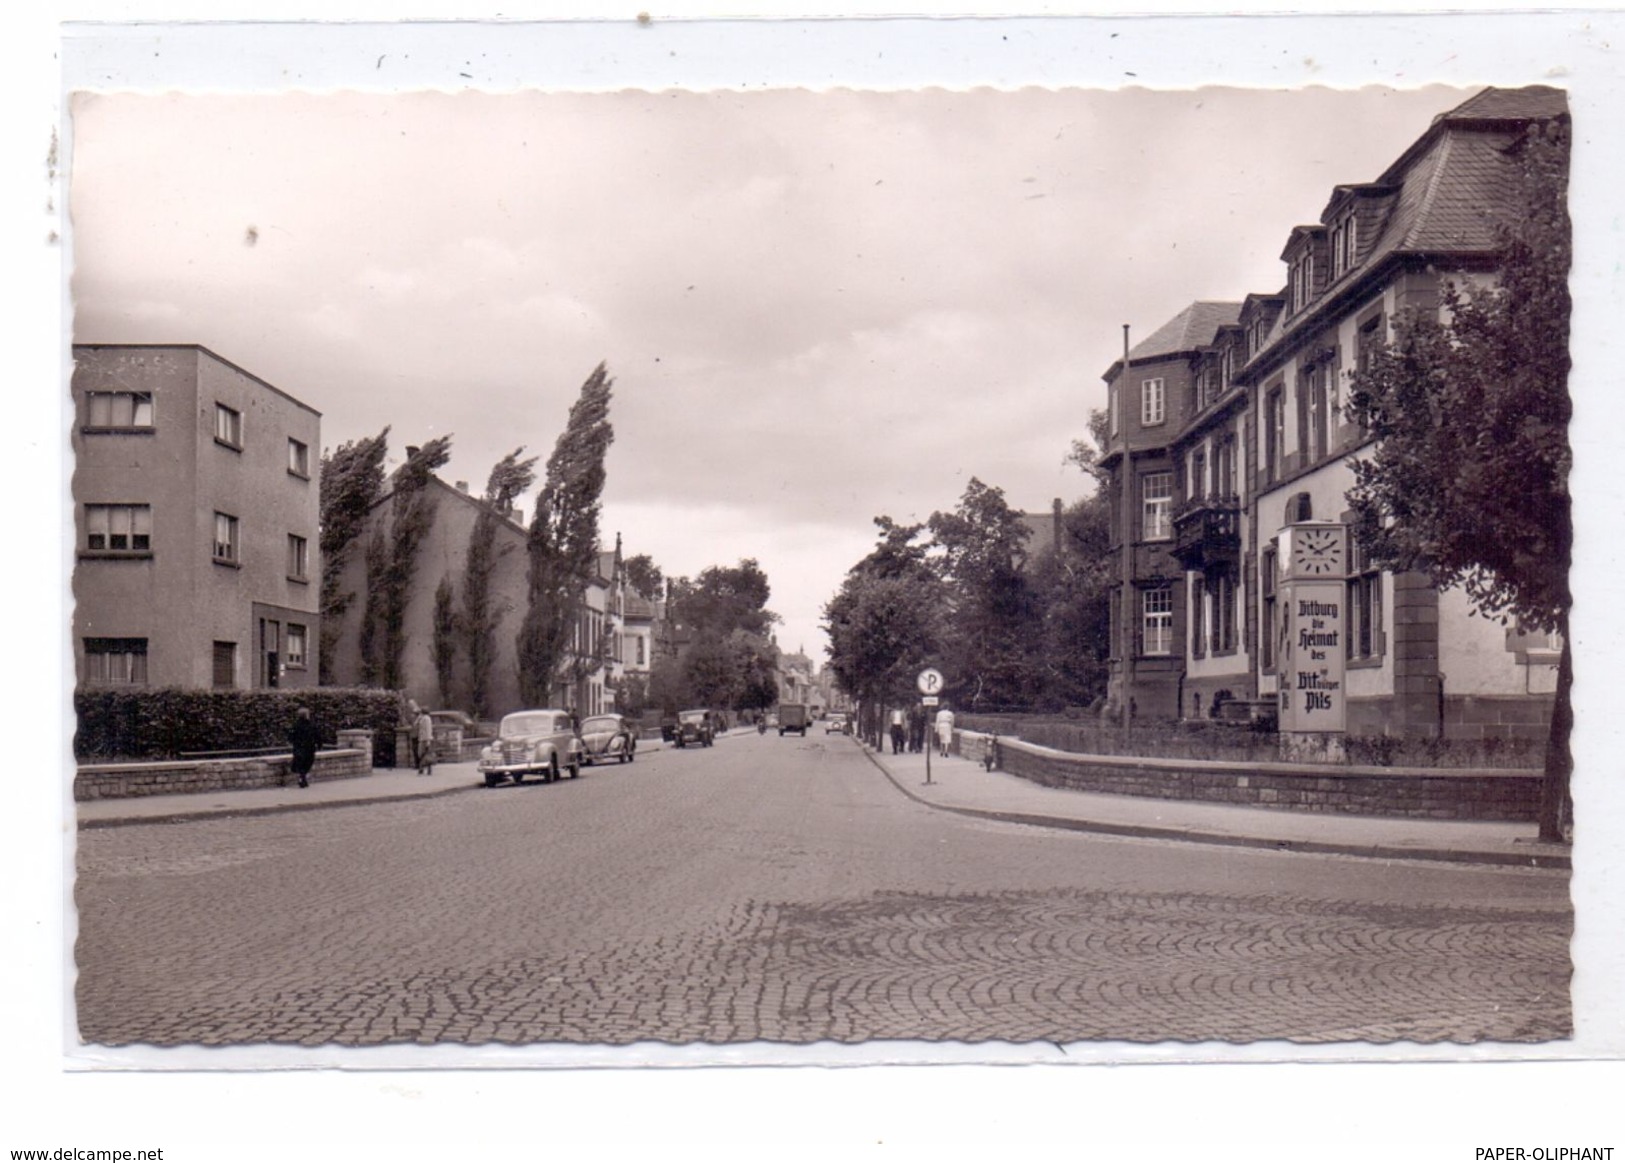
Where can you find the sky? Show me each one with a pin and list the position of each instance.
(817, 307)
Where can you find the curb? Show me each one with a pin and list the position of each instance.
(1187, 835)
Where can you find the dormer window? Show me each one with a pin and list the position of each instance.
(1345, 244)
(1302, 280)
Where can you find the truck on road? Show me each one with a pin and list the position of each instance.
(794, 717)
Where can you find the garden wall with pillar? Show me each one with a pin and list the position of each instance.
(1486, 794)
(100, 781)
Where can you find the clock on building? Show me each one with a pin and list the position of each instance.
(1317, 552)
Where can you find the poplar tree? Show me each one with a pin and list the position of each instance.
(563, 541)
(352, 479)
(510, 477)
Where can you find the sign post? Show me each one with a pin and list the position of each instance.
(929, 682)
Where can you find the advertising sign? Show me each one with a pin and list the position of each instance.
(1314, 628)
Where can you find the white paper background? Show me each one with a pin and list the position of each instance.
(1327, 1111)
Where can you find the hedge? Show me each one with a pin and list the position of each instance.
(166, 722)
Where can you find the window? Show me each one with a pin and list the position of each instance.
(1302, 278)
(1158, 620)
(118, 528)
(228, 426)
(1198, 481)
(1365, 641)
(642, 658)
(1274, 432)
(116, 661)
(118, 409)
(1269, 630)
(298, 558)
(1313, 422)
(225, 664)
(1198, 619)
(1157, 494)
(298, 458)
(1111, 405)
(1224, 467)
(225, 538)
(1344, 246)
(1223, 589)
(293, 645)
(1153, 401)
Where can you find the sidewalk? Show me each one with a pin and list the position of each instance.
(382, 786)
(958, 785)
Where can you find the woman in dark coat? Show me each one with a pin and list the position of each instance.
(304, 738)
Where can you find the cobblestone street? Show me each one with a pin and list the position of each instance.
(781, 889)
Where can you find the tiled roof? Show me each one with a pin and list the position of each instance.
(1193, 327)
(1531, 103)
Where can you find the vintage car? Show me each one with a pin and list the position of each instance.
(697, 727)
(543, 743)
(835, 724)
(609, 737)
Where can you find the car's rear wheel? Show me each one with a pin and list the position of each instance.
(553, 770)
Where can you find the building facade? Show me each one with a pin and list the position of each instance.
(595, 648)
(196, 510)
(1230, 424)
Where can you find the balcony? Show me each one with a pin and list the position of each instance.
(1207, 532)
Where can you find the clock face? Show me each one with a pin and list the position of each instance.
(1317, 552)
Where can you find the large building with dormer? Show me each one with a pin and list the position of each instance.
(1228, 424)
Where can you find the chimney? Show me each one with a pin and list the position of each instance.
(411, 451)
(462, 486)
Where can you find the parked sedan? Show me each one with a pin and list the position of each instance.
(609, 737)
(541, 743)
(695, 727)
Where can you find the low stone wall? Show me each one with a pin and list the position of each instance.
(103, 781)
(1500, 795)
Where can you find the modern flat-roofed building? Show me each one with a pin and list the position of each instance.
(195, 522)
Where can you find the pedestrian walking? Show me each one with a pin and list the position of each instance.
(916, 731)
(303, 737)
(945, 730)
(897, 732)
(423, 743)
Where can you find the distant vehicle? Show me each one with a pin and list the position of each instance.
(541, 743)
(793, 717)
(835, 724)
(696, 727)
(609, 737)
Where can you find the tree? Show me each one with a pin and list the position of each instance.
(886, 622)
(391, 561)
(1468, 478)
(724, 599)
(563, 540)
(509, 478)
(1072, 583)
(352, 479)
(444, 646)
(997, 620)
(645, 577)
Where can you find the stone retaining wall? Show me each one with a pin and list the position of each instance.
(102, 781)
(1502, 795)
